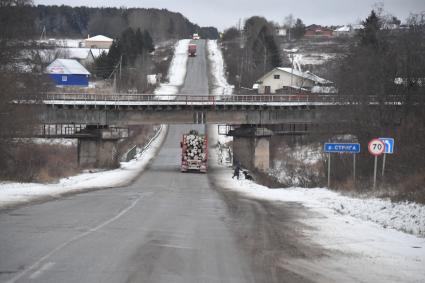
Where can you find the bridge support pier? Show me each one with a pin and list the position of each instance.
(251, 147)
(100, 150)
(97, 153)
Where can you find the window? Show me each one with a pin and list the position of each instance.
(277, 77)
(64, 78)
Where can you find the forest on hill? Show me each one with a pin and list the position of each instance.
(66, 21)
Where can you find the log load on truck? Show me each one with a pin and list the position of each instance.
(194, 152)
(192, 50)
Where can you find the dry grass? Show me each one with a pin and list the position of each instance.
(296, 168)
(38, 163)
(292, 170)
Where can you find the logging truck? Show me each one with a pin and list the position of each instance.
(194, 148)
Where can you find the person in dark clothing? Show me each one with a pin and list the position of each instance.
(236, 171)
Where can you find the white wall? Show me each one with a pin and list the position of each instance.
(283, 81)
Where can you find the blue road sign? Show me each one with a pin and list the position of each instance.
(389, 145)
(342, 147)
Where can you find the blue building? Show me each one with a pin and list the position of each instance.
(68, 72)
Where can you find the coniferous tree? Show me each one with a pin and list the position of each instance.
(148, 41)
(299, 29)
(369, 36)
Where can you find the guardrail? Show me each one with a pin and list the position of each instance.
(189, 99)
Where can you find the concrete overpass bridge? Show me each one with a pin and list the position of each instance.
(263, 114)
(130, 109)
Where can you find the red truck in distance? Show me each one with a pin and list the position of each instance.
(192, 50)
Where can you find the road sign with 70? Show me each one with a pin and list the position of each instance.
(376, 147)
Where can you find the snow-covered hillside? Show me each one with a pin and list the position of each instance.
(220, 86)
(177, 71)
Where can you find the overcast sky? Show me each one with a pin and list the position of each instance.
(226, 13)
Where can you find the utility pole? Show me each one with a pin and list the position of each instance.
(120, 72)
(292, 75)
(241, 45)
(114, 86)
(292, 52)
(43, 34)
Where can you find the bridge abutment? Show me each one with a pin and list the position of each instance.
(100, 150)
(251, 147)
(97, 153)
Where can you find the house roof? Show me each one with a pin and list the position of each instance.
(358, 27)
(317, 28)
(66, 67)
(344, 29)
(305, 75)
(84, 53)
(98, 51)
(99, 38)
(78, 53)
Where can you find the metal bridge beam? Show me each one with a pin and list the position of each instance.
(122, 118)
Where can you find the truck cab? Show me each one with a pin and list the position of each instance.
(192, 50)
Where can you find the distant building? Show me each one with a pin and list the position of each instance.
(82, 55)
(68, 72)
(348, 30)
(318, 31)
(285, 80)
(281, 31)
(358, 27)
(344, 31)
(98, 41)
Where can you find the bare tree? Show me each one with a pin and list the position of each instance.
(289, 23)
(15, 81)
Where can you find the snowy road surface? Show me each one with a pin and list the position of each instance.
(173, 227)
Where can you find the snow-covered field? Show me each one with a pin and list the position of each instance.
(312, 59)
(219, 82)
(62, 142)
(63, 42)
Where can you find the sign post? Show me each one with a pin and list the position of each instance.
(389, 149)
(341, 148)
(376, 147)
(329, 170)
(383, 164)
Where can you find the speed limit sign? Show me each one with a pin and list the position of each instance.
(376, 147)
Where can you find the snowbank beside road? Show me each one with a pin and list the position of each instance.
(176, 73)
(407, 217)
(359, 251)
(14, 193)
(220, 85)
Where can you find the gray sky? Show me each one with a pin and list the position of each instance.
(225, 13)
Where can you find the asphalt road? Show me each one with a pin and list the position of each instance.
(166, 227)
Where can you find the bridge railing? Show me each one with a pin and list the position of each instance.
(193, 98)
(234, 99)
